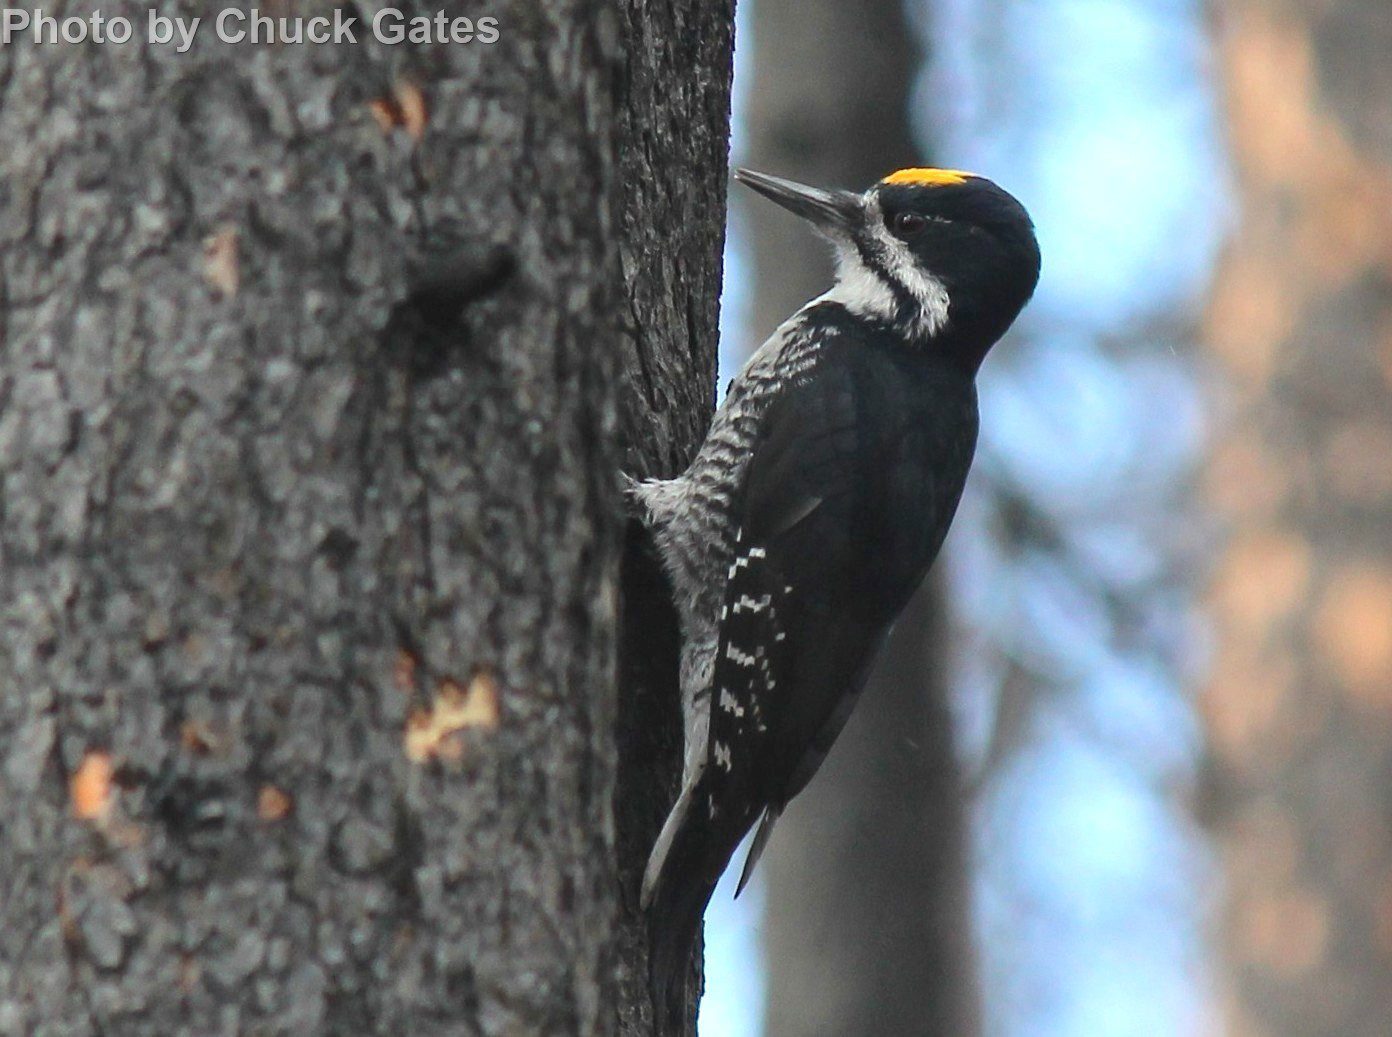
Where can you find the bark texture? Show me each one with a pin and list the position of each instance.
(868, 916)
(311, 401)
(1299, 707)
(674, 159)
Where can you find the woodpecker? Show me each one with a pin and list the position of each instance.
(816, 504)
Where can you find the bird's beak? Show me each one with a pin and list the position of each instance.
(829, 211)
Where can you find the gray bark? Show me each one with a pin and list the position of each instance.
(311, 400)
(674, 157)
(868, 921)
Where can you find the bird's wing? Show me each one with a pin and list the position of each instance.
(800, 625)
(847, 493)
(800, 486)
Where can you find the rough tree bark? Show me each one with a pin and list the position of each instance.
(868, 921)
(1299, 708)
(311, 403)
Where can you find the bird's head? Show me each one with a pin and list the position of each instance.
(942, 255)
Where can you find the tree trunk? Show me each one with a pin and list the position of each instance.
(674, 159)
(868, 916)
(1300, 703)
(311, 404)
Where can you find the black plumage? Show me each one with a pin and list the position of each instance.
(818, 503)
(851, 487)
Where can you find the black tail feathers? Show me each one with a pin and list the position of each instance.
(756, 849)
(673, 924)
(693, 865)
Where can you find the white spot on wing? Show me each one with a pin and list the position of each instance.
(737, 657)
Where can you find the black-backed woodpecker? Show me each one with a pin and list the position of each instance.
(817, 503)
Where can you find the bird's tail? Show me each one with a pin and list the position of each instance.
(756, 849)
(686, 863)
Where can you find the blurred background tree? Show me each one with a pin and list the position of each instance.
(1299, 703)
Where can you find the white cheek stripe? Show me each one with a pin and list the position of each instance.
(863, 292)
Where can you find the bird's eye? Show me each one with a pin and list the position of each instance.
(907, 224)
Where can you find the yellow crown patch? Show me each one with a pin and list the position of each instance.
(924, 177)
